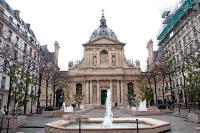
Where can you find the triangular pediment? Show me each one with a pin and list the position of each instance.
(104, 40)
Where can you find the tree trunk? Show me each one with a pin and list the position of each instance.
(9, 96)
(47, 84)
(54, 94)
(39, 92)
(163, 88)
(199, 105)
(170, 82)
(25, 96)
(14, 103)
(155, 87)
(185, 93)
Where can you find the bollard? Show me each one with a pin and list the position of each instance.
(179, 110)
(1, 124)
(7, 125)
(137, 128)
(79, 123)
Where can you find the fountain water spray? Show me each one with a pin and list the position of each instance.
(108, 115)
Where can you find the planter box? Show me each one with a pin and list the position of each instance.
(14, 121)
(55, 113)
(194, 117)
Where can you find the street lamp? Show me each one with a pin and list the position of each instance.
(31, 95)
(177, 86)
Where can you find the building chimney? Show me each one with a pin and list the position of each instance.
(56, 51)
(17, 12)
(150, 52)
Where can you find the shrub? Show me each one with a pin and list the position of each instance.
(161, 106)
(48, 108)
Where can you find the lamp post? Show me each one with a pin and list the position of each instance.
(31, 95)
(177, 86)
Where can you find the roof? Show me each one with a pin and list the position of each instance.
(9, 9)
(103, 31)
(158, 54)
(49, 56)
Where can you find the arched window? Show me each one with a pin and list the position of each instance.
(103, 57)
(78, 88)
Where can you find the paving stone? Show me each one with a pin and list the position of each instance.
(178, 124)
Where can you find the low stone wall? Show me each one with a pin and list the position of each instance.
(60, 113)
(55, 113)
(14, 121)
(157, 126)
(194, 117)
(146, 113)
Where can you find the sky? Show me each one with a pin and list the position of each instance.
(71, 23)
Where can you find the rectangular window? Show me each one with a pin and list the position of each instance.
(25, 47)
(15, 54)
(18, 26)
(1, 29)
(34, 55)
(30, 52)
(9, 35)
(3, 82)
(17, 41)
(10, 19)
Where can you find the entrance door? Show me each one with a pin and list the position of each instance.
(103, 96)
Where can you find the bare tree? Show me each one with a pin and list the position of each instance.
(10, 64)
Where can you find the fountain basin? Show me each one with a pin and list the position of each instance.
(93, 125)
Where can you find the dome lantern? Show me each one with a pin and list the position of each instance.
(103, 30)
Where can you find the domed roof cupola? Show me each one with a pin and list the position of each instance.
(103, 31)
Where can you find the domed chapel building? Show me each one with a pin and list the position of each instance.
(103, 67)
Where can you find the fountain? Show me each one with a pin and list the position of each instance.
(142, 106)
(107, 124)
(108, 115)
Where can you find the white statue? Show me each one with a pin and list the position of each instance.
(142, 106)
(67, 109)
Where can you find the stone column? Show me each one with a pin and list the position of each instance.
(87, 91)
(122, 93)
(111, 90)
(98, 93)
(91, 92)
(118, 93)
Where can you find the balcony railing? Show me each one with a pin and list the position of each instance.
(21, 32)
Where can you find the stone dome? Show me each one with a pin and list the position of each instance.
(103, 31)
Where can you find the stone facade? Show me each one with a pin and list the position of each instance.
(175, 47)
(103, 67)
